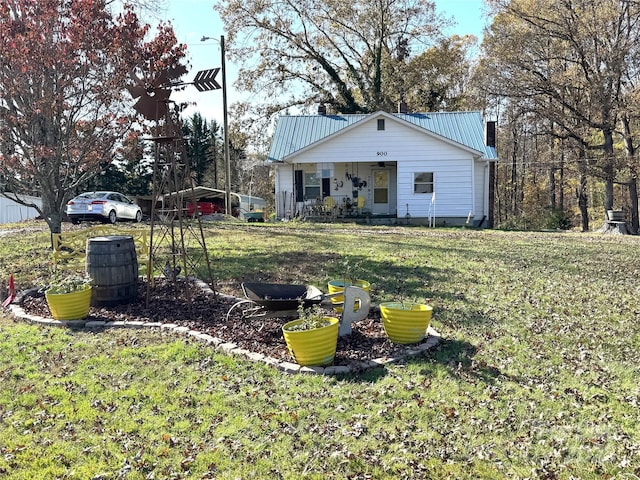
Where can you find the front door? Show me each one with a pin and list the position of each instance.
(380, 192)
(326, 187)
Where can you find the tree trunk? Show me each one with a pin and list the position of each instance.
(523, 179)
(52, 206)
(609, 168)
(633, 199)
(514, 174)
(582, 192)
(552, 188)
(582, 202)
(552, 169)
(633, 181)
(561, 172)
(54, 220)
(500, 200)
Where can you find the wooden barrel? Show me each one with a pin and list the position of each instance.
(112, 264)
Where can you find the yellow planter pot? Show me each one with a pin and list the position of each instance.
(312, 348)
(336, 286)
(405, 322)
(69, 306)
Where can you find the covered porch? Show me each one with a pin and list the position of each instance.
(338, 191)
(334, 207)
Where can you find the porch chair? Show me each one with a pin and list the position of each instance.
(361, 202)
(328, 206)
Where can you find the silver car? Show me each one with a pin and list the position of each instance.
(103, 206)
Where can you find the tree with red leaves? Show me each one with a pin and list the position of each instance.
(64, 108)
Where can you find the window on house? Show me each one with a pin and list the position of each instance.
(381, 124)
(423, 182)
(311, 186)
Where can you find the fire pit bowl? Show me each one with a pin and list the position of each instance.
(282, 296)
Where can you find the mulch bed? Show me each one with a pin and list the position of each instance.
(186, 304)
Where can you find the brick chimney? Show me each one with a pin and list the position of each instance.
(322, 109)
(490, 134)
(403, 107)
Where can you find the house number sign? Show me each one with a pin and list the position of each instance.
(382, 154)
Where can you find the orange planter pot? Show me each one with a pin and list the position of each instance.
(312, 348)
(69, 306)
(405, 322)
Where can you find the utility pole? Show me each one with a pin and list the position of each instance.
(225, 126)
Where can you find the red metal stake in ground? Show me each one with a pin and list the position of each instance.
(12, 292)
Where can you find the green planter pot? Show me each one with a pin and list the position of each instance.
(312, 348)
(405, 322)
(336, 286)
(69, 306)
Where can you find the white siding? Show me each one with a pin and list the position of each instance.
(453, 194)
(11, 211)
(362, 147)
(284, 191)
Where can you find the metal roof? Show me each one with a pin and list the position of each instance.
(293, 133)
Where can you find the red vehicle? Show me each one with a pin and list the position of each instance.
(203, 208)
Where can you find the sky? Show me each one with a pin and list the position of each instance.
(193, 19)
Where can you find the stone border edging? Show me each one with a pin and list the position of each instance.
(230, 348)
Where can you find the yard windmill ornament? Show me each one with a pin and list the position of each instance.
(205, 80)
(152, 95)
(171, 179)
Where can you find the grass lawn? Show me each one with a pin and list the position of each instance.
(537, 376)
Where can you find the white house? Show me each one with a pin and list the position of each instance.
(12, 211)
(385, 167)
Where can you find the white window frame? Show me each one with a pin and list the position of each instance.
(316, 186)
(424, 187)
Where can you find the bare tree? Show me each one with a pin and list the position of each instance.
(328, 51)
(570, 60)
